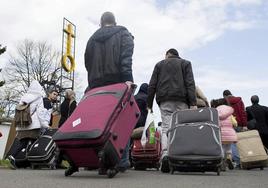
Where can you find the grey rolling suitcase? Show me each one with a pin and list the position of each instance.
(195, 141)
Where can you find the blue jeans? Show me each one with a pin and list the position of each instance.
(124, 162)
(235, 154)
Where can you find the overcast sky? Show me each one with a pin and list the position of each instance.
(226, 40)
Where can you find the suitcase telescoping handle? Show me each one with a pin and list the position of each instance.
(130, 91)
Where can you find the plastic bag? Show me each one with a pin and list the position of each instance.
(152, 129)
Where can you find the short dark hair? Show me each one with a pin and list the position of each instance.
(172, 51)
(227, 92)
(52, 89)
(254, 99)
(107, 18)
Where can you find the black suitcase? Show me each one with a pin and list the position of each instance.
(42, 153)
(21, 159)
(195, 141)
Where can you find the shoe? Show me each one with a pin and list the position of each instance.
(165, 165)
(223, 167)
(236, 166)
(71, 170)
(12, 162)
(102, 171)
(122, 169)
(229, 162)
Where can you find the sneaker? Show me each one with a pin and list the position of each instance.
(223, 166)
(165, 165)
(12, 162)
(229, 162)
(123, 168)
(71, 170)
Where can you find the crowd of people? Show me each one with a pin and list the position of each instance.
(108, 60)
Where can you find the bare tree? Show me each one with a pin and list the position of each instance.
(33, 61)
(2, 50)
(8, 100)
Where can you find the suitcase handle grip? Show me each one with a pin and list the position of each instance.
(130, 92)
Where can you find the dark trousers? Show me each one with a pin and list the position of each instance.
(18, 145)
(264, 138)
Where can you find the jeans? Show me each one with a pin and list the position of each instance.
(124, 162)
(235, 154)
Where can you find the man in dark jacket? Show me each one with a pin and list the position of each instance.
(108, 56)
(260, 113)
(173, 84)
(141, 99)
(108, 60)
(239, 109)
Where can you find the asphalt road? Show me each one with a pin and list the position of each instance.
(26, 178)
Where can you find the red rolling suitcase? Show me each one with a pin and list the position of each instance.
(97, 132)
(148, 156)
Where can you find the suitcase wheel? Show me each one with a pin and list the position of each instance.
(157, 166)
(171, 169)
(111, 172)
(219, 171)
(33, 167)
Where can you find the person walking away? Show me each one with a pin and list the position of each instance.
(108, 60)
(260, 114)
(28, 134)
(228, 134)
(201, 99)
(68, 106)
(173, 84)
(239, 110)
(141, 99)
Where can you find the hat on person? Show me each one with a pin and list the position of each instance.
(144, 88)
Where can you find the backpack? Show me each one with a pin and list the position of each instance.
(23, 115)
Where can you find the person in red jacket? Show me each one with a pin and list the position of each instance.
(239, 110)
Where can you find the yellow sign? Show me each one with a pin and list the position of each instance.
(68, 54)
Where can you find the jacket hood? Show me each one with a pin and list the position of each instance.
(106, 32)
(234, 100)
(224, 111)
(144, 88)
(34, 91)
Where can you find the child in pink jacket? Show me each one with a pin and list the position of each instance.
(228, 134)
